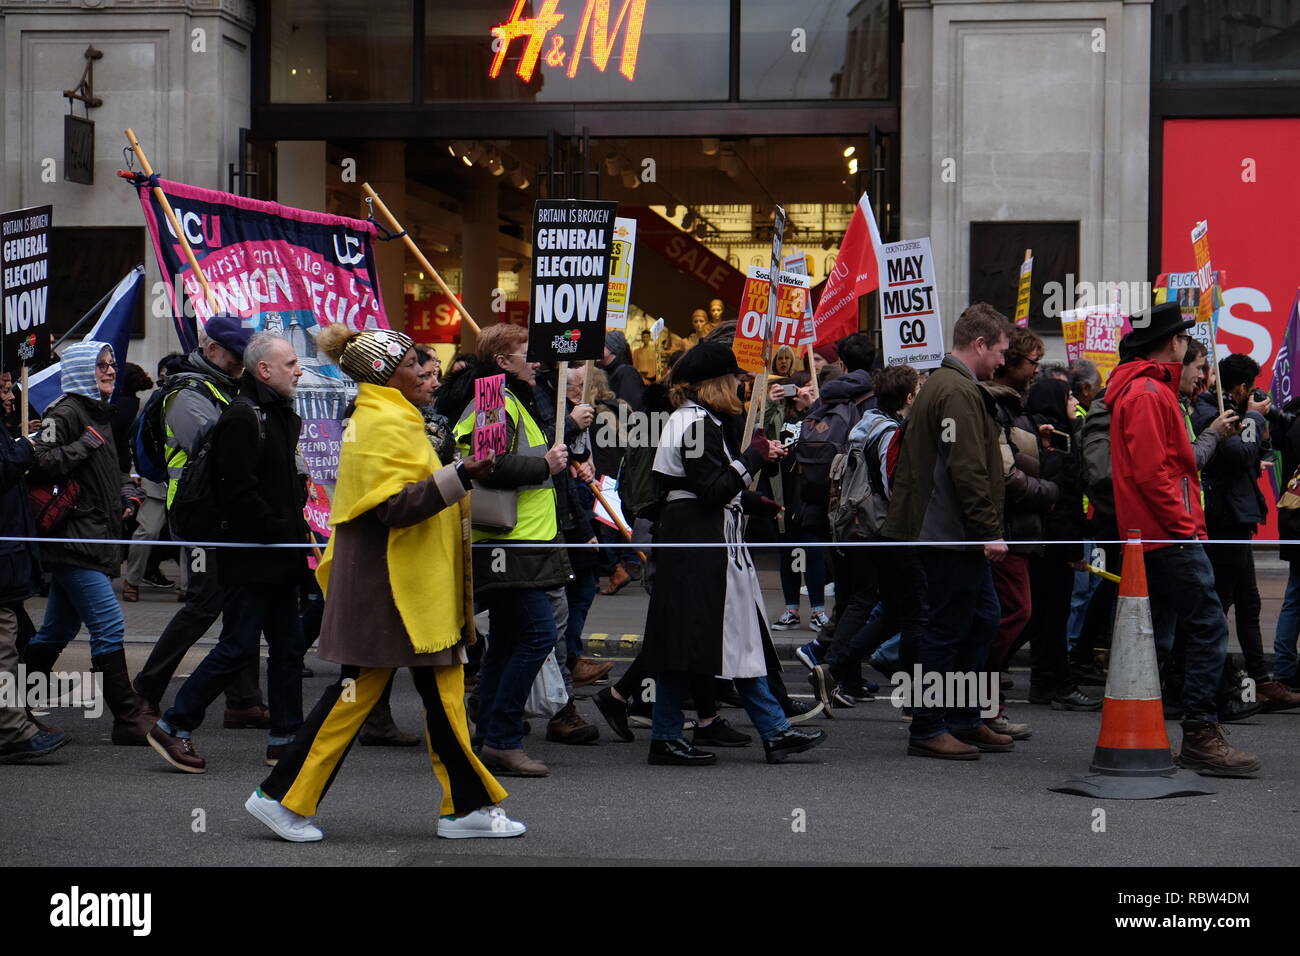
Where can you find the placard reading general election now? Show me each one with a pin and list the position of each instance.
(572, 243)
(25, 265)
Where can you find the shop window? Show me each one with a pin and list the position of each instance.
(1246, 41)
(819, 49)
(341, 51)
(998, 248)
(588, 51)
(85, 264)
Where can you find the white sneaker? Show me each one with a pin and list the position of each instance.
(287, 825)
(484, 822)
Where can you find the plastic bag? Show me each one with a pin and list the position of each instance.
(549, 695)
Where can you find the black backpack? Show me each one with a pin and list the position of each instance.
(149, 433)
(823, 435)
(193, 514)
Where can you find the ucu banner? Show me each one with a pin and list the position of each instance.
(272, 264)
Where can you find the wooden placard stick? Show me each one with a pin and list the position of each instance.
(396, 227)
(212, 303)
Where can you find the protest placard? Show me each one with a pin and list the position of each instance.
(572, 243)
(1023, 290)
(620, 273)
(1204, 271)
(1104, 326)
(1072, 329)
(1182, 287)
(490, 428)
(792, 325)
(911, 327)
(25, 261)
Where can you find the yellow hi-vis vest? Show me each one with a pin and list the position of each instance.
(536, 510)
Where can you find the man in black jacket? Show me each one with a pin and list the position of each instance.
(259, 496)
(1234, 508)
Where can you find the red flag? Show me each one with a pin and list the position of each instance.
(856, 272)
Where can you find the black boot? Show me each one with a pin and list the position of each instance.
(40, 659)
(131, 720)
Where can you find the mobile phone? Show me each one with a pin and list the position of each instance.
(1059, 440)
(789, 391)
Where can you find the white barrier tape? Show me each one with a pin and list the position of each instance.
(684, 544)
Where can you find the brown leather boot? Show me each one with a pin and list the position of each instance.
(986, 739)
(379, 730)
(587, 671)
(618, 579)
(1275, 695)
(130, 593)
(944, 747)
(131, 721)
(568, 727)
(1207, 751)
(512, 763)
(256, 717)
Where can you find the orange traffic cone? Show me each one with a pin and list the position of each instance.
(1132, 760)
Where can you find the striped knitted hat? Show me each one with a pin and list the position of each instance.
(372, 355)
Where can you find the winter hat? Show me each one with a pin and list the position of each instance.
(616, 342)
(77, 371)
(828, 352)
(707, 360)
(371, 355)
(230, 332)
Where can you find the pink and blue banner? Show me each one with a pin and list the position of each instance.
(282, 269)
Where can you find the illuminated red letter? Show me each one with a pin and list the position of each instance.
(534, 28)
(602, 38)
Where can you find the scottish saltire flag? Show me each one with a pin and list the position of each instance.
(113, 327)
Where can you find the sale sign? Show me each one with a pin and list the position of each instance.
(909, 305)
(433, 320)
(792, 327)
(490, 427)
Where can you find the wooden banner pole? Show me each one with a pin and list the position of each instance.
(396, 226)
(627, 534)
(26, 416)
(134, 143)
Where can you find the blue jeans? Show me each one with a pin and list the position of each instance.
(890, 654)
(77, 596)
(1085, 582)
(581, 592)
(1183, 601)
(248, 612)
(1288, 628)
(963, 621)
(521, 632)
(672, 687)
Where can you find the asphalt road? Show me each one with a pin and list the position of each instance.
(858, 799)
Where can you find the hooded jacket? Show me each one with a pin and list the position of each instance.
(76, 442)
(1153, 468)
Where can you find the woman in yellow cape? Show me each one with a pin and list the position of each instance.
(394, 579)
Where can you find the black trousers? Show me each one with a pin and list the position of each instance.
(898, 580)
(1234, 582)
(1051, 582)
(202, 608)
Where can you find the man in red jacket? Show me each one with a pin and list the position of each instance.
(1158, 494)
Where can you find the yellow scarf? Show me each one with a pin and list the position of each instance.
(384, 450)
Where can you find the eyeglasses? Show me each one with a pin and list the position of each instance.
(1033, 362)
(106, 366)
